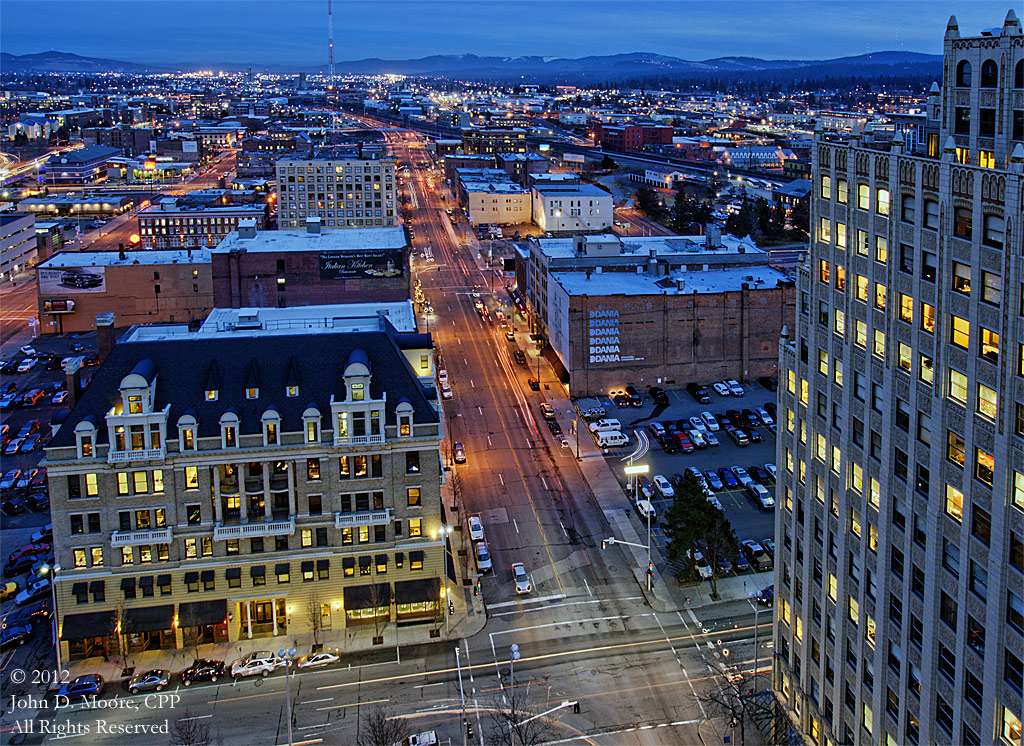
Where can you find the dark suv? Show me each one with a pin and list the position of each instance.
(699, 392)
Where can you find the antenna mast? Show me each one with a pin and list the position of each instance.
(330, 47)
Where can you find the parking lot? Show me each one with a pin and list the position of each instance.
(749, 520)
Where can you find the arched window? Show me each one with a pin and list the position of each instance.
(989, 74)
(1018, 75)
(963, 74)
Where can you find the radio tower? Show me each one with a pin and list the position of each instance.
(330, 74)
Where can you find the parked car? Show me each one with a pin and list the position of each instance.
(13, 447)
(762, 414)
(38, 501)
(33, 592)
(262, 663)
(698, 438)
(554, 427)
(10, 479)
(771, 471)
(715, 502)
(723, 566)
(738, 436)
(45, 534)
(769, 382)
(728, 478)
(684, 442)
(713, 480)
(741, 475)
(761, 496)
(25, 479)
(30, 427)
(645, 509)
(547, 411)
(7, 400)
(721, 389)
(318, 660)
(752, 435)
(476, 528)
(15, 635)
(89, 685)
(656, 429)
(39, 479)
(658, 396)
(59, 398)
(703, 568)
(766, 596)
(77, 347)
(699, 392)
(19, 565)
(756, 556)
(645, 487)
(30, 443)
(483, 557)
(446, 391)
(27, 364)
(520, 357)
(710, 423)
(521, 578)
(13, 506)
(710, 438)
(734, 386)
(11, 366)
(40, 613)
(749, 418)
(769, 546)
(740, 562)
(29, 550)
(148, 681)
(459, 453)
(203, 670)
(533, 383)
(8, 589)
(32, 397)
(635, 400)
(758, 475)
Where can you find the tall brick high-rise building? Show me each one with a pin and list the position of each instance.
(900, 528)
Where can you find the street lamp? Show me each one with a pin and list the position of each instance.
(513, 656)
(636, 471)
(53, 590)
(757, 650)
(462, 696)
(288, 656)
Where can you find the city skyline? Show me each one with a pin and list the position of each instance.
(172, 34)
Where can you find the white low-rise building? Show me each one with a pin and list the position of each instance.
(572, 208)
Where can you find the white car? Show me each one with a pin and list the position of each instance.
(698, 438)
(742, 476)
(771, 469)
(255, 664)
(763, 415)
(442, 375)
(521, 578)
(645, 509)
(60, 397)
(446, 391)
(28, 364)
(702, 565)
(476, 528)
(483, 557)
(323, 658)
(734, 386)
(663, 486)
(715, 501)
(28, 350)
(701, 480)
(458, 453)
(698, 424)
(711, 438)
(761, 494)
(709, 421)
(34, 592)
(721, 389)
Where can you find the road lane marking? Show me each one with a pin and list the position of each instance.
(544, 482)
(589, 592)
(501, 479)
(566, 533)
(514, 523)
(352, 704)
(316, 701)
(424, 686)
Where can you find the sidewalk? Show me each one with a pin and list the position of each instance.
(665, 594)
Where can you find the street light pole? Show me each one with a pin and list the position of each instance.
(757, 650)
(288, 656)
(513, 656)
(462, 696)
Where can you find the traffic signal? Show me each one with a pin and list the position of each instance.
(576, 707)
(478, 589)
(469, 729)
(451, 609)
(604, 543)
(650, 568)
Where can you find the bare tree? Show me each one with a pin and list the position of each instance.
(514, 721)
(730, 695)
(188, 731)
(381, 728)
(120, 629)
(314, 616)
(380, 596)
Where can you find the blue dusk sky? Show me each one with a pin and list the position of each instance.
(294, 32)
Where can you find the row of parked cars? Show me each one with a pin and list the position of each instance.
(24, 489)
(255, 664)
(697, 432)
(750, 555)
(483, 557)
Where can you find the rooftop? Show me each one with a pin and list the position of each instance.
(641, 247)
(113, 258)
(578, 190)
(85, 155)
(725, 280)
(347, 239)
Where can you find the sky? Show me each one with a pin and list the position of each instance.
(294, 32)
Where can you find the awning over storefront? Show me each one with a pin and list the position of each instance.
(417, 591)
(148, 619)
(92, 624)
(202, 613)
(365, 597)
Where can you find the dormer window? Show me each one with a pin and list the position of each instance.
(85, 438)
(291, 390)
(358, 393)
(187, 437)
(252, 393)
(311, 424)
(211, 395)
(271, 426)
(135, 404)
(229, 425)
(403, 414)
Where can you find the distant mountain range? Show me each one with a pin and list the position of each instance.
(619, 67)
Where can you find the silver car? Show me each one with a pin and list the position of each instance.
(521, 578)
